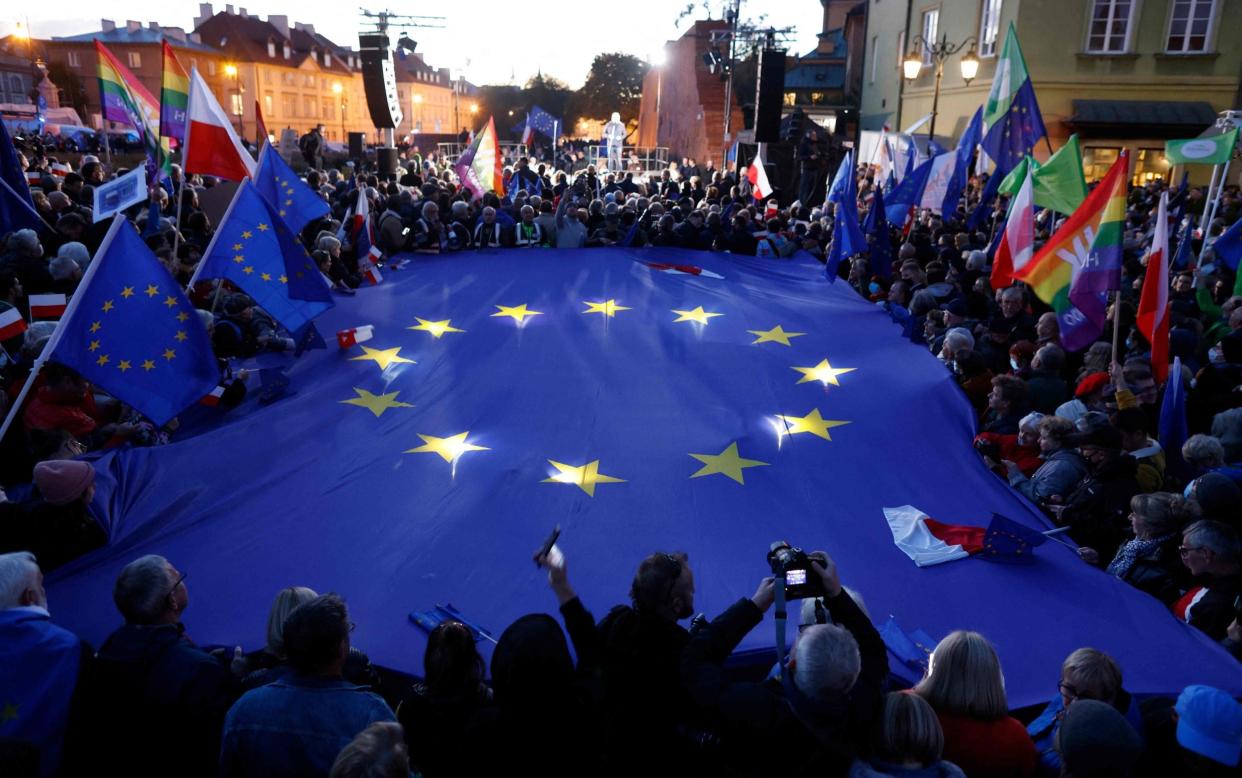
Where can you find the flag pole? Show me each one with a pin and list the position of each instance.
(1220, 189)
(59, 332)
(108, 147)
(1116, 326)
(1208, 200)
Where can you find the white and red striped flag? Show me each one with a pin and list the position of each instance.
(47, 306)
(930, 542)
(1153, 310)
(355, 335)
(11, 323)
(758, 178)
(373, 275)
(211, 145)
(1017, 245)
(213, 399)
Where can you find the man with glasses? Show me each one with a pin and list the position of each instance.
(157, 701)
(1212, 552)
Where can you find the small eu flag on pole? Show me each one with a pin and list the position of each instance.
(294, 202)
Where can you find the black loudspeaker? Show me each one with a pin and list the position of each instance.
(769, 96)
(386, 161)
(356, 143)
(379, 81)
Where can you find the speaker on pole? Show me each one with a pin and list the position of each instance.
(386, 161)
(356, 150)
(379, 80)
(769, 96)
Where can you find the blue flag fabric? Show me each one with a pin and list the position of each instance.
(295, 202)
(1185, 246)
(913, 649)
(847, 236)
(425, 469)
(130, 330)
(39, 667)
(1013, 138)
(11, 171)
(961, 170)
(881, 244)
(907, 194)
(256, 251)
(545, 123)
(1228, 247)
(840, 180)
(1008, 541)
(1173, 427)
(984, 209)
(16, 213)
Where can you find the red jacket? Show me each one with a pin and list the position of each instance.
(52, 410)
(988, 749)
(1025, 457)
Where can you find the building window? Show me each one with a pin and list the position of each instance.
(1190, 23)
(901, 48)
(1097, 161)
(271, 48)
(286, 51)
(308, 103)
(791, 99)
(288, 106)
(875, 44)
(135, 59)
(989, 27)
(1150, 165)
(267, 103)
(1109, 30)
(931, 20)
(326, 109)
(211, 67)
(74, 62)
(267, 76)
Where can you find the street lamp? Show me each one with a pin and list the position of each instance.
(240, 105)
(474, 108)
(339, 91)
(939, 52)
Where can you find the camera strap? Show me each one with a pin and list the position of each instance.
(780, 624)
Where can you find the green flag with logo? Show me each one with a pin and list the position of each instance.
(1214, 150)
(1058, 184)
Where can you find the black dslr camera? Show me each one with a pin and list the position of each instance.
(800, 580)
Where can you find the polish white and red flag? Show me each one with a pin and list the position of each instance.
(931, 542)
(211, 146)
(758, 178)
(1017, 244)
(1153, 310)
(11, 323)
(355, 335)
(47, 306)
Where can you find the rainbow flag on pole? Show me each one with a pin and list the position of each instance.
(479, 167)
(127, 101)
(1081, 263)
(174, 97)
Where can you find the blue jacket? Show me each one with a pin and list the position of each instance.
(296, 726)
(1059, 474)
(1043, 730)
(39, 665)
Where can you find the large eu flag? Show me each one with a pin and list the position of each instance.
(130, 330)
(295, 202)
(1015, 134)
(255, 250)
(645, 400)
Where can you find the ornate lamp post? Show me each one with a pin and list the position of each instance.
(939, 52)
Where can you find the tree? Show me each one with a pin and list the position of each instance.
(614, 83)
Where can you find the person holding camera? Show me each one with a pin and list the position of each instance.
(822, 709)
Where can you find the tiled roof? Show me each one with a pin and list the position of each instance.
(141, 35)
(246, 38)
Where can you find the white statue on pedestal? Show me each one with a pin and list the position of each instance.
(614, 136)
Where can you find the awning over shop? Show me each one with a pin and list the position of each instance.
(1141, 118)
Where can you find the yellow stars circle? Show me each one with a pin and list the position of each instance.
(823, 372)
(585, 477)
(382, 357)
(518, 313)
(376, 403)
(727, 463)
(812, 423)
(450, 449)
(775, 335)
(697, 315)
(436, 328)
(608, 307)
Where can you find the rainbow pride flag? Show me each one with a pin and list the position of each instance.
(174, 97)
(479, 167)
(1081, 263)
(127, 101)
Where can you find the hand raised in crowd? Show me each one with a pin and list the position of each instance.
(765, 595)
(558, 575)
(823, 565)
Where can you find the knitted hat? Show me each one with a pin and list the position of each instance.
(61, 481)
(1097, 740)
(1209, 722)
(1092, 383)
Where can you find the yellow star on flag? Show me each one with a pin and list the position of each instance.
(148, 364)
(127, 292)
(382, 357)
(95, 326)
(239, 258)
(103, 360)
(813, 423)
(436, 328)
(608, 307)
(123, 365)
(169, 354)
(266, 276)
(449, 448)
(237, 247)
(517, 312)
(181, 336)
(182, 316)
(284, 279)
(775, 335)
(170, 301)
(247, 234)
(697, 315)
(94, 346)
(107, 306)
(262, 227)
(585, 477)
(823, 372)
(248, 270)
(726, 463)
(152, 290)
(376, 403)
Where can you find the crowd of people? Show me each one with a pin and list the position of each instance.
(1075, 433)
